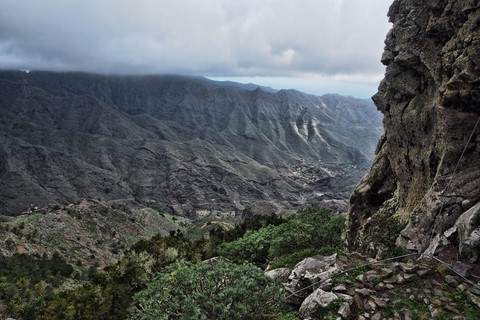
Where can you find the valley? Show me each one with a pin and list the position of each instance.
(92, 164)
(177, 144)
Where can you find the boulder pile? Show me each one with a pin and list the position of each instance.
(354, 287)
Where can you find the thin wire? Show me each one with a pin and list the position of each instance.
(451, 178)
(412, 254)
(454, 271)
(381, 261)
(351, 269)
(458, 163)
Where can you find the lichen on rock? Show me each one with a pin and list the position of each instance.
(426, 173)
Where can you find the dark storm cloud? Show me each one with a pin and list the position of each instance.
(209, 37)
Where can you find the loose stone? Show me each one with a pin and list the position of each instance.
(407, 314)
(358, 302)
(345, 311)
(372, 304)
(377, 316)
(380, 287)
(364, 292)
(379, 302)
(372, 278)
(386, 272)
(475, 291)
(408, 267)
(423, 272)
(339, 288)
(437, 292)
(462, 287)
(390, 280)
(360, 278)
(409, 277)
(451, 309)
(451, 280)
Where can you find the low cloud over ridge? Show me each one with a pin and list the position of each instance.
(274, 38)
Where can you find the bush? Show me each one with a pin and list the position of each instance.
(201, 291)
(252, 247)
(309, 228)
(167, 249)
(311, 231)
(27, 282)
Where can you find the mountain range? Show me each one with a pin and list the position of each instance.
(180, 144)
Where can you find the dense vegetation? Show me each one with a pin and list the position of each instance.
(26, 280)
(48, 288)
(221, 290)
(311, 231)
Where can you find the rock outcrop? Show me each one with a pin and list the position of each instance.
(426, 173)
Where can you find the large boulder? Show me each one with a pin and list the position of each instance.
(318, 299)
(280, 274)
(309, 274)
(465, 232)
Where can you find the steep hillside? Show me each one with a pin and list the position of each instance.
(87, 233)
(423, 188)
(180, 144)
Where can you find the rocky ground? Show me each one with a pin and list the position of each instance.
(353, 287)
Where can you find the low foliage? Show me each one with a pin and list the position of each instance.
(35, 268)
(28, 281)
(201, 291)
(34, 287)
(252, 247)
(311, 230)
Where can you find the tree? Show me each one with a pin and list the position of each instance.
(309, 228)
(201, 291)
(309, 232)
(252, 247)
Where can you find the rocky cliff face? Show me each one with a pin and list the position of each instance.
(423, 189)
(181, 145)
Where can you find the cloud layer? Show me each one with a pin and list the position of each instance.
(274, 38)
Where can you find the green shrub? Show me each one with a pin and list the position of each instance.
(161, 248)
(27, 282)
(309, 228)
(252, 247)
(201, 291)
(311, 231)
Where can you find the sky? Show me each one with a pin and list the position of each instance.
(316, 46)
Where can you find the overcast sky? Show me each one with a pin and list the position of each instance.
(316, 46)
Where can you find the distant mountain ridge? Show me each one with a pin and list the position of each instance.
(182, 143)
